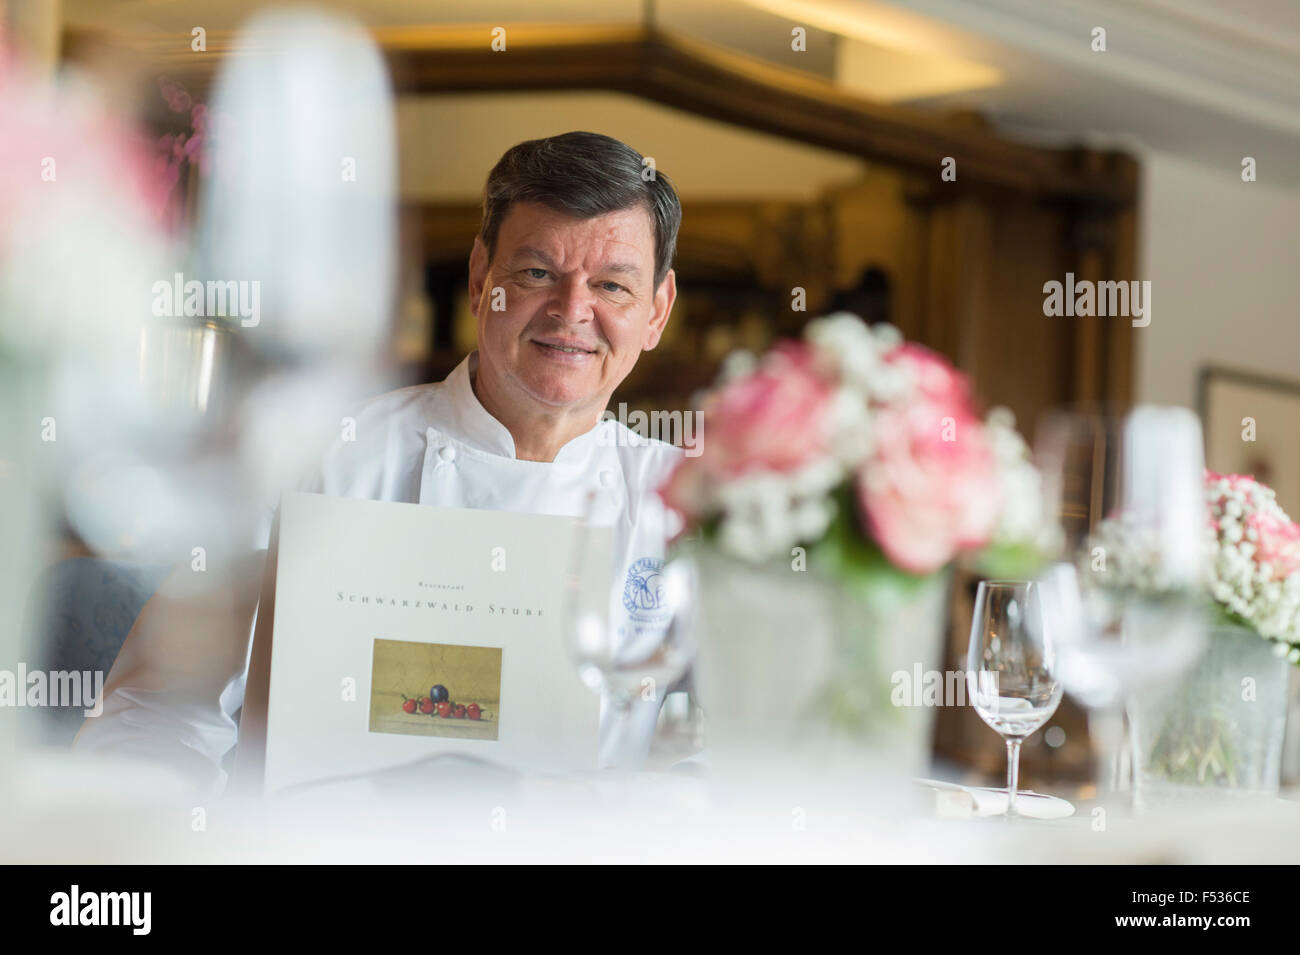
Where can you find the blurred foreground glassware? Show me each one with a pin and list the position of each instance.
(1124, 592)
(1216, 732)
(1011, 667)
(634, 661)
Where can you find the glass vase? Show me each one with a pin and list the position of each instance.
(793, 661)
(1218, 730)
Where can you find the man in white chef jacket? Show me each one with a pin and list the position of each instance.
(570, 281)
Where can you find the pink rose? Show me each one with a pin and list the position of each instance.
(90, 145)
(1235, 481)
(773, 419)
(1277, 543)
(930, 488)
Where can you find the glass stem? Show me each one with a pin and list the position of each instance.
(1107, 729)
(1013, 774)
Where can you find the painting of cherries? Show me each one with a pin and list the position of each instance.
(435, 689)
(439, 703)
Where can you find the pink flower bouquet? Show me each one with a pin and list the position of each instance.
(1252, 559)
(861, 446)
(1254, 567)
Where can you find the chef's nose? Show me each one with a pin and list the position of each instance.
(572, 301)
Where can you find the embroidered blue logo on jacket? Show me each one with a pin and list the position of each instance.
(643, 592)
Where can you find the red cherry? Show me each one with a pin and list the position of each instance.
(444, 708)
(426, 705)
(460, 711)
(472, 711)
(409, 706)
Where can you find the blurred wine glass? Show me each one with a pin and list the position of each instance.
(1011, 667)
(631, 638)
(1123, 590)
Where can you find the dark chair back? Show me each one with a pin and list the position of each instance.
(78, 615)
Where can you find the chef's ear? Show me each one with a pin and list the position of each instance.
(478, 270)
(665, 295)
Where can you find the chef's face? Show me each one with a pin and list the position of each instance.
(578, 305)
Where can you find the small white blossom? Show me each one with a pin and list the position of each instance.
(737, 364)
(1023, 518)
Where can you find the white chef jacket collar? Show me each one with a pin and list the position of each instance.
(465, 419)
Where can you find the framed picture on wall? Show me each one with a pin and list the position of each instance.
(1252, 426)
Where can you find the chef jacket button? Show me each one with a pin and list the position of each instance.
(607, 478)
(447, 454)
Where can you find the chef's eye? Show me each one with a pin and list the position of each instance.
(536, 273)
(612, 287)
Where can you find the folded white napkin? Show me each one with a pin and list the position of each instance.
(987, 801)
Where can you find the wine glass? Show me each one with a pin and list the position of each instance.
(1011, 666)
(1124, 587)
(631, 631)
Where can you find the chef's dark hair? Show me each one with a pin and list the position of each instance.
(583, 175)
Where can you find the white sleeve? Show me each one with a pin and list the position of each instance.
(178, 680)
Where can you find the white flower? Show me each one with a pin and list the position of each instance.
(737, 364)
(887, 336)
(1251, 587)
(1023, 518)
(846, 348)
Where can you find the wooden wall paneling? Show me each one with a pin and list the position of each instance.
(957, 303)
(974, 316)
(1101, 241)
(447, 229)
(818, 240)
(1089, 265)
(870, 221)
(1021, 360)
(914, 284)
(1120, 360)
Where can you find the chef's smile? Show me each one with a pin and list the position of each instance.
(564, 350)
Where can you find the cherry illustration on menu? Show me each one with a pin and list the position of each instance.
(439, 704)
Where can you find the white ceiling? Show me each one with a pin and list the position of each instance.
(1212, 80)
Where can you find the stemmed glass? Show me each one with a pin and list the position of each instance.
(1011, 666)
(1127, 493)
(633, 635)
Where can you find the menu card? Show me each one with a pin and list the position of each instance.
(401, 631)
